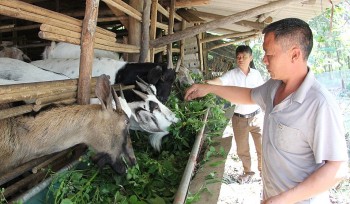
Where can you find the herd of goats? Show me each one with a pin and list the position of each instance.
(103, 124)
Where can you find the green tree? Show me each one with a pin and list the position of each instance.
(331, 44)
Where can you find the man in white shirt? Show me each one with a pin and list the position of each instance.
(246, 118)
(304, 147)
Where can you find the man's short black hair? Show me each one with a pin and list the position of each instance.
(292, 30)
(244, 48)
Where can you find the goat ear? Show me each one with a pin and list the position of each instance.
(154, 74)
(103, 91)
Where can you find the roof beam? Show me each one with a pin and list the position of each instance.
(192, 31)
(244, 23)
(187, 3)
(232, 35)
(232, 42)
(189, 17)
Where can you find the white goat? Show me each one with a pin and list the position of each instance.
(64, 50)
(70, 67)
(105, 129)
(16, 71)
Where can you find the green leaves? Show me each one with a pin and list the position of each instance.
(156, 177)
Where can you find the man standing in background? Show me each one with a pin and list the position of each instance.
(246, 118)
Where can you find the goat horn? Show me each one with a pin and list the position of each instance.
(139, 93)
(121, 91)
(142, 81)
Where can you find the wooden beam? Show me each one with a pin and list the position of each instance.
(189, 17)
(171, 31)
(182, 43)
(111, 46)
(18, 28)
(188, 3)
(231, 43)
(118, 12)
(119, 4)
(87, 51)
(200, 51)
(189, 32)
(134, 34)
(233, 35)
(162, 26)
(245, 23)
(163, 11)
(145, 30)
(22, 10)
(153, 29)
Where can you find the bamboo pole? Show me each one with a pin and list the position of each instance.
(18, 28)
(38, 188)
(60, 31)
(10, 112)
(21, 169)
(48, 14)
(29, 95)
(68, 101)
(58, 97)
(116, 47)
(43, 164)
(182, 190)
(189, 32)
(34, 86)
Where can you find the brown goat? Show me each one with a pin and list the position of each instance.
(24, 138)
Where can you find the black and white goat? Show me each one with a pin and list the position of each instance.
(156, 74)
(150, 115)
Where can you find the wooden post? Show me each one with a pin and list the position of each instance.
(145, 30)
(182, 43)
(87, 51)
(205, 54)
(170, 31)
(200, 51)
(153, 29)
(134, 30)
(189, 32)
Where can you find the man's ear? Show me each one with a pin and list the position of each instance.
(295, 54)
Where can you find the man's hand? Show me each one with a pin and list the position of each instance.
(197, 91)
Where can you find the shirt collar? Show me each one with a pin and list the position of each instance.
(308, 82)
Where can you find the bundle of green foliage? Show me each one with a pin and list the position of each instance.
(156, 176)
